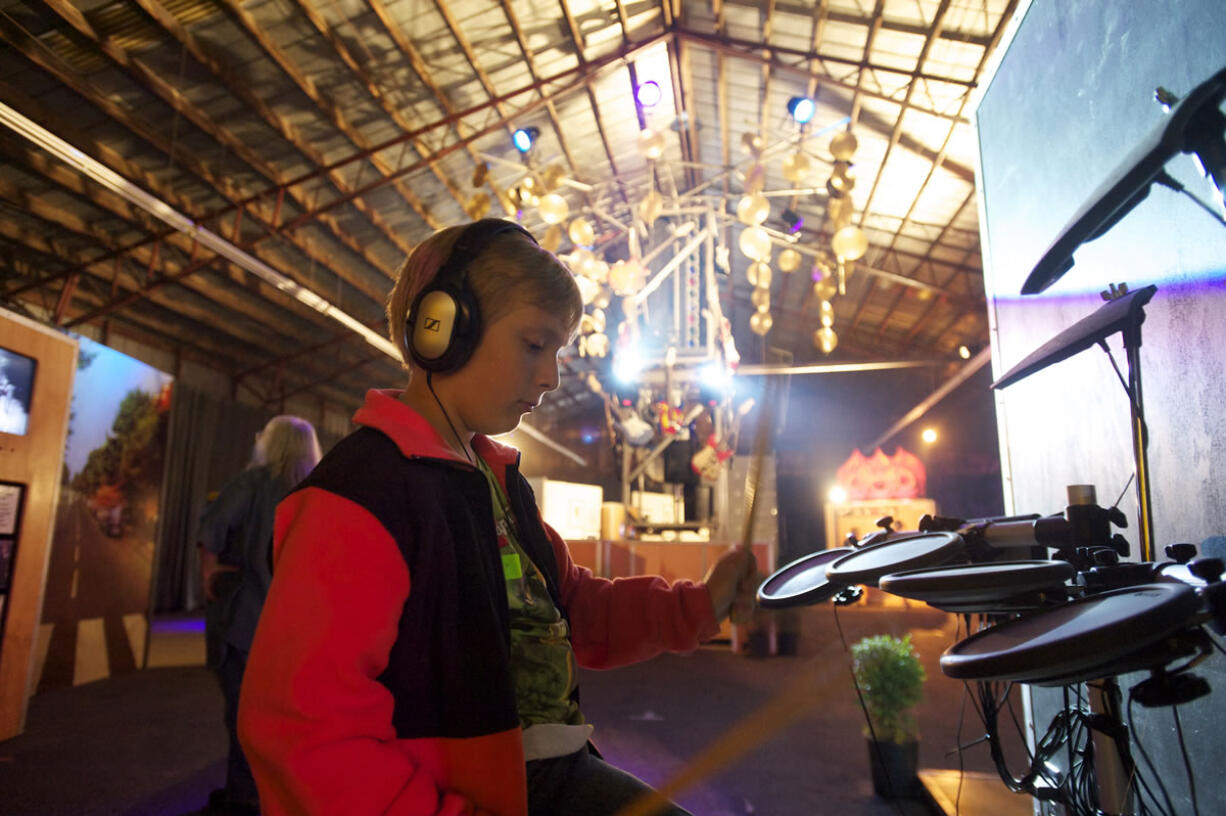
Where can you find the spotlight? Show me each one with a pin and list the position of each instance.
(837, 495)
(627, 365)
(794, 221)
(802, 109)
(648, 93)
(929, 436)
(524, 138)
(714, 377)
(964, 352)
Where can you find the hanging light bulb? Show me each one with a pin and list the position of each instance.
(796, 167)
(850, 243)
(581, 232)
(843, 145)
(553, 208)
(825, 339)
(755, 243)
(651, 143)
(826, 313)
(761, 299)
(761, 323)
(758, 274)
(752, 210)
(788, 260)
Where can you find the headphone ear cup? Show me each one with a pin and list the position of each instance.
(443, 327)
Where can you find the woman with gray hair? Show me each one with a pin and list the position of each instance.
(235, 540)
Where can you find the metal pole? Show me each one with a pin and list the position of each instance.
(1140, 440)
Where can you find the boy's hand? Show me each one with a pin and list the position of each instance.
(731, 580)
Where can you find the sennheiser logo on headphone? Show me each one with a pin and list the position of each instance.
(432, 324)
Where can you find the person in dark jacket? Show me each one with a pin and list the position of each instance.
(419, 646)
(235, 542)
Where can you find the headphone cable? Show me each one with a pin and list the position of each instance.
(454, 432)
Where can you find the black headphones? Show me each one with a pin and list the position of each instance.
(443, 325)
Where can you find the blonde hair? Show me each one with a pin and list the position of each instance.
(510, 271)
(288, 447)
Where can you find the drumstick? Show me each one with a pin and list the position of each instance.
(742, 611)
(795, 699)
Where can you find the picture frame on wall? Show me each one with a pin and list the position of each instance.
(11, 496)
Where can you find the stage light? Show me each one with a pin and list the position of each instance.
(524, 138)
(837, 495)
(802, 109)
(794, 221)
(929, 436)
(627, 365)
(964, 352)
(648, 93)
(715, 376)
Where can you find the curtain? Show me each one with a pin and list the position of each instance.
(209, 441)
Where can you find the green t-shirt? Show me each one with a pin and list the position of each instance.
(542, 660)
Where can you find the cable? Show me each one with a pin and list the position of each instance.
(1187, 764)
(1136, 737)
(454, 432)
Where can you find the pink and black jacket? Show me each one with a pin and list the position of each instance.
(379, 679)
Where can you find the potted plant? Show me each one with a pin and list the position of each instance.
(890, 679)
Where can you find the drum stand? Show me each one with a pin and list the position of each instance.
(1113, 767)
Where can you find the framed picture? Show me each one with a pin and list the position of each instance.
(11, 495)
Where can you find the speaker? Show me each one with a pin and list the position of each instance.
(443, 325)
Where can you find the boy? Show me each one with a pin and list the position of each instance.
(417, 652)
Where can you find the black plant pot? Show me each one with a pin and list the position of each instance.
(894, 768)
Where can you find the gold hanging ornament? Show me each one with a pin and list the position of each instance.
(758, 274)
(826, 313)
(752, 210)
(761, 299)
(597, 344)
(825, 339)
(588, 289)
(480, 173)
(626, 277)
(761, 323)
(849, 244)
(826, 288)
(581, 232)
(553, 209)
(796, 167)
(755, 179)
(755, 242)
(650, 207)
(843, 145)
(552, 176)
(477, 206)
(752, 143)
(651, 143)
(788, 260)
(840, 211)
(598, 318)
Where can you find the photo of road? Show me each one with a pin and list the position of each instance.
(97, 592)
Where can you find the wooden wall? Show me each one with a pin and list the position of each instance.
(34, 460)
